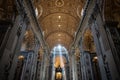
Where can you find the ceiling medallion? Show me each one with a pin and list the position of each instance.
(59, 3)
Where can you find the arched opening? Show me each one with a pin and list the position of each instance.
(90, 55)
(59, 59)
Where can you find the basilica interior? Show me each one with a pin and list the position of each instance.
(59, 39)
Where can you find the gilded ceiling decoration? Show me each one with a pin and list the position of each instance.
(59, 20)
(59, 3)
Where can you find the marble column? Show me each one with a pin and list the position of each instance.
(20, 33)
(5, 28)
(44, 65)
(73, 65)
(67, 71)
(86, 66)
(114, 43)
(53, 73)
(10, 48)
(99, 52)
(35, 58)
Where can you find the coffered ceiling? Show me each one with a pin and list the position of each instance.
(59, 20)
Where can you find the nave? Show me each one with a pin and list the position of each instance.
(59, 39)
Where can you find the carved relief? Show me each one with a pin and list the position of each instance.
(29, 40)
(88, 43)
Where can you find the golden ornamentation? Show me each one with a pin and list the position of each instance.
(59, 3)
